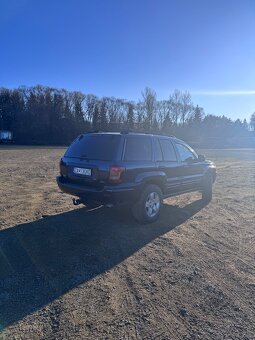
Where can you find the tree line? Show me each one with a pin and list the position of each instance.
(45, 115)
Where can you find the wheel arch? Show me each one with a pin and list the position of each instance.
(159, 181)
(210, 171)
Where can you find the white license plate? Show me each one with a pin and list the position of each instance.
(82, 171)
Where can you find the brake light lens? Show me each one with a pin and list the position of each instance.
(63, 170)
(115, 174)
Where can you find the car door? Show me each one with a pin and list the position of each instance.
(166, 160)
(137, 157)
(191, 168)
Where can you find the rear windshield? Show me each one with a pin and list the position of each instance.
(95, 147)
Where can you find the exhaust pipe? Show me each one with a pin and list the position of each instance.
(76, 201)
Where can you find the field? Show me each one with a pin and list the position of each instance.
(71, 273)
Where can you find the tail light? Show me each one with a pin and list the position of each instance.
(115, 174)
(63, 170)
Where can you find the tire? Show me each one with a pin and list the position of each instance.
(148, 207)
(207, 188)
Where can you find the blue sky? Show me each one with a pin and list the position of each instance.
(117, 47)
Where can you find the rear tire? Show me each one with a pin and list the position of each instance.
(207, 188)
(148, 207)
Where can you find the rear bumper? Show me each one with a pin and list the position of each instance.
(118, 194)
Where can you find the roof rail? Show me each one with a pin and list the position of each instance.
(124, 132)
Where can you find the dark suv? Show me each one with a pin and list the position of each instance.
(138, 169)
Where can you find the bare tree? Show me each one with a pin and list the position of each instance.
(186, 106)
(89, 106)
(150, 104)
(139, 112)
(175, 106)
(163, 111)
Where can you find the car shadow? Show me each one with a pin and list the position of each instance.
(41, 260)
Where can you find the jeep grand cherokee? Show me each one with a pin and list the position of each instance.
(103, 168)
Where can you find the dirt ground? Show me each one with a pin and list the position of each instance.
(71, 273)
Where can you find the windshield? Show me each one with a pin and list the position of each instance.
(92, 146)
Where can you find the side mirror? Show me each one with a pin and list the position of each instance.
(201, 158)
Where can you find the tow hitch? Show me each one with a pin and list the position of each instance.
(76, 201)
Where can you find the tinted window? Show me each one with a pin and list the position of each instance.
(184, 152)
(138, 149)
(158, 152)
(168, 150)
(95, 147)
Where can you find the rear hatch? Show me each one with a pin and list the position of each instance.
(88, 159)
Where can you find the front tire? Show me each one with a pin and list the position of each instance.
(148, 207)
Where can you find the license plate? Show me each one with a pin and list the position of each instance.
(82, 171)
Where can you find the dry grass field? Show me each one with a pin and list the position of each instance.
(71, 273)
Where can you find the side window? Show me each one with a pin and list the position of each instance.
(158, 152)
(168, 150)
(184, 152)
(138, 149)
